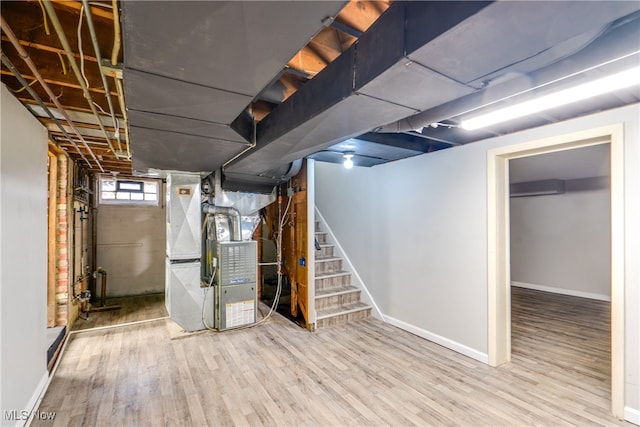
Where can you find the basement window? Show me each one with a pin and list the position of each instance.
(129, 191)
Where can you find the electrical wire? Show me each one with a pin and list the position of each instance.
(48, 32)
(100, 108)
(204, 302)
(44, 18)
(24, 87)
(64, 66)
(282, 216)
(276, 299)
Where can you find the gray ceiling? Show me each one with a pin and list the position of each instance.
(188, 80)
(577, 163)
(192, 67)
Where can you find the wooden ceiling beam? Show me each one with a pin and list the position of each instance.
(52, 69)
(307, 61)
(26, 18)
(92, 141)
(75, 6)
(51, 105)
(66, 84)
(98, 150)
(52, 49)
(260, 109)
(326, 44)
(108, 164)
(360, 14)
(71, 100)
(47, 121)
(291, 84)
(382, 6)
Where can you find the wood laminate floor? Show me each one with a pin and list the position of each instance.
(365, 373)
(132, 309)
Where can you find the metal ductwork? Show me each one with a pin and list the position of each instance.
(544, 187)
(188, 81)
(613, 47)
(419, 63)
(232, 213)
(417, 57)
(263, 183)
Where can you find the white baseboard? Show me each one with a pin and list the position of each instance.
(438, 339)
(632, 415)
(36, 397)
(562, 291)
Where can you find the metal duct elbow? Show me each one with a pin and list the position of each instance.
(415, 122)
(232, 213)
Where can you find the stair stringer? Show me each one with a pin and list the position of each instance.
(348, 266)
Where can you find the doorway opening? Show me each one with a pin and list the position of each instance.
(499, 271)
(560, 235)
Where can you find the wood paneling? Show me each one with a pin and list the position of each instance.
(294, 240)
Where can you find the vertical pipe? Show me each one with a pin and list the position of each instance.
(103, 290)
(94, 237)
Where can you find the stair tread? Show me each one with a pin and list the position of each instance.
(336, 290)
(342, 309)
(331, 274)
(328, 258)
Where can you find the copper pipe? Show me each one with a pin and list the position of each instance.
(25, 56)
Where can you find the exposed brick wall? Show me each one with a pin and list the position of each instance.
(62, 263)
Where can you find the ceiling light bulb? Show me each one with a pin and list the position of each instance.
(348, 162)
(563, 97)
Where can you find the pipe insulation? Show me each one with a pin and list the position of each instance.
(232, 213)
(32, 66)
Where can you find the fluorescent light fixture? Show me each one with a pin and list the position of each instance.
(348, 160)
(563, 97)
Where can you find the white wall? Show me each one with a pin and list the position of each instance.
(563, 242)
(131, 248)
(23, 261)
(419, 235)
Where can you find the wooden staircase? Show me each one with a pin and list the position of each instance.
(337, 301)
